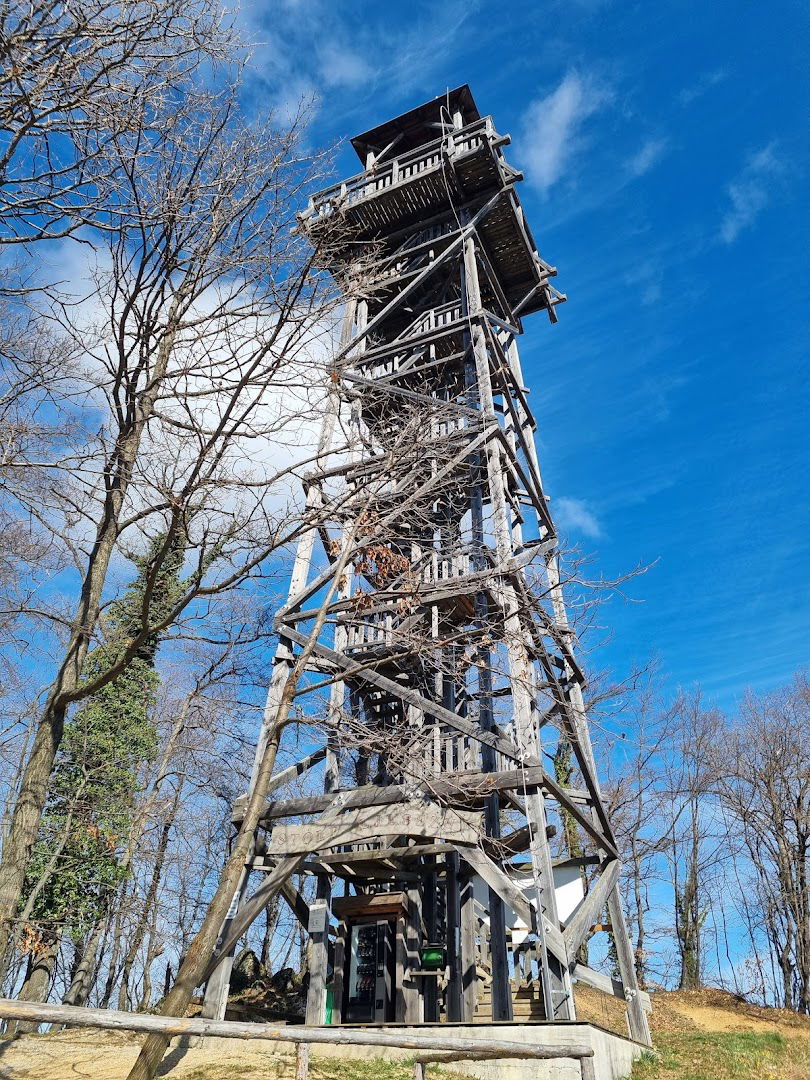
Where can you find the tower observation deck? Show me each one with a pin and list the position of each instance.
(457, 874)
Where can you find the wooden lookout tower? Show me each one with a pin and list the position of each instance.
(458, 875)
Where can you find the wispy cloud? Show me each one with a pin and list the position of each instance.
(341, 66)
(552, 126)
(329, 51)
(701, 86)
(575, 515)
(647, 277)
(750, 192)
(647, 157)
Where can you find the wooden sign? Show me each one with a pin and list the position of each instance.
(426, 820)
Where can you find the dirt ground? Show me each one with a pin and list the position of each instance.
(88, 1055)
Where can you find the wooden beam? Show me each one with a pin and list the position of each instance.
(577, 927)
(607, 985)
(354, 826)
(285, 776)
(636, 1016)
(382, 904)
(462, 787)
(173, 1026)
(296, 902)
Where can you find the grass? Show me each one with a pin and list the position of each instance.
(321, 1068)
(725, 1055)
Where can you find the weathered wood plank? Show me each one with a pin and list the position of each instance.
(413, 819)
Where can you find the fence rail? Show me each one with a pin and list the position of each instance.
(438, 1047)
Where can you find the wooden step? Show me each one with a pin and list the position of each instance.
(526, 1004)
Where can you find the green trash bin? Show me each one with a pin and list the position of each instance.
(328, 1012)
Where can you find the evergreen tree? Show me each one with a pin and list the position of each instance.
(75, 868)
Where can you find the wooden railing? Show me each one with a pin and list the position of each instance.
(428, 1047)
(399, 169)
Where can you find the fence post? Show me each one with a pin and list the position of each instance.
(588, 1068)
(301, 1061)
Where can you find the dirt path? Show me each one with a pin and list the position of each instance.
(717, 1010)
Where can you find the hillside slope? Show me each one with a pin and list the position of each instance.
(713, 1035)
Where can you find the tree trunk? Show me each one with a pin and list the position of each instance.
(30, 802)
(38, 980)
(638, 900)
(82, 982)
(112, 968)
(149, 901)
(192, 969)
(195, 964)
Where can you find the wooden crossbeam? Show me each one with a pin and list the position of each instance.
(359, 824)
(607, 985)
(462, 787)
(577, 927)
(514, 897)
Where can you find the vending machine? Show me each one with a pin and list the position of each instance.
(368, 981)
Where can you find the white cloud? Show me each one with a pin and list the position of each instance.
(750, 192)
(701, 86)
(648, 156)
(340, 66)
(552, 126)
(576, 516)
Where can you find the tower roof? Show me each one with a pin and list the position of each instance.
(419, 125)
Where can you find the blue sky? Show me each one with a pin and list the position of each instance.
(666, 158)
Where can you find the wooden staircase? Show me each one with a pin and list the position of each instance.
(526, 1002)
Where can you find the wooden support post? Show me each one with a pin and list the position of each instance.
(302, 1061)
(337, 975)
(469, 949)
(636, 1017)
(318, 951)
(410, 988)
(400, 967)
(453, 993)
(430, 992)
(587, 1068)
(555, 977)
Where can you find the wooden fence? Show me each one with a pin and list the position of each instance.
(429, 1048)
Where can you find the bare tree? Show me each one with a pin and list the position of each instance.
(695, 840)
(73, 77)
(200, 354)
(764, 788)
(638, 802)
